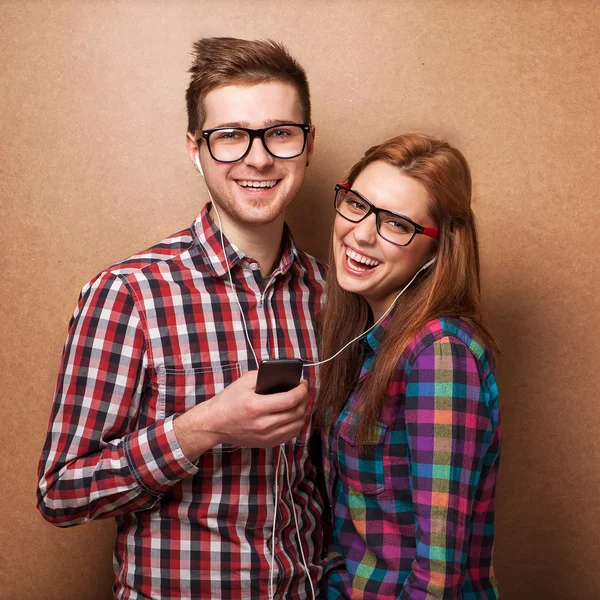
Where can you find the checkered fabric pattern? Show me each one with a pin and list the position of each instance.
(152, 337)
(414, 516)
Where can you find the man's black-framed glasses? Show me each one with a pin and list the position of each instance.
(392, 227)
(230, 144)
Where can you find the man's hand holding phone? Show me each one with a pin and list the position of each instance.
(241, 417)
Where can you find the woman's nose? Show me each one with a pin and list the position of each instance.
(366, 231)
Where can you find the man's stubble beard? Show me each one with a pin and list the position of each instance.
(252, 214)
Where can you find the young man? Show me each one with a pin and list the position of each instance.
(156, 421)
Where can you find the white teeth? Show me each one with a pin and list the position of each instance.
(361, 259)
(257, 184)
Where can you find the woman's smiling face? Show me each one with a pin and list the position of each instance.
(365, 263)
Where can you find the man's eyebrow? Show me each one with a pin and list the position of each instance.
(231, 124)
(267, 123)
(270, 122)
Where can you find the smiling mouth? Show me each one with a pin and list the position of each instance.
(257, 184)
(360, 262)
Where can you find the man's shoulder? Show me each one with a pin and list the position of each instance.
(167, 249)
(112, 279)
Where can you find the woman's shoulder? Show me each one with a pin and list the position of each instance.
(450, 332)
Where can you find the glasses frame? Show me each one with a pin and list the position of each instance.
(253, 133)
(431, 232)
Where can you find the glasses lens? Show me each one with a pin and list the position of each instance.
(228, 145)
(395, 229)
(350, 206)
(285, 141)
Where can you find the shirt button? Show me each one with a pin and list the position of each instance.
(275, 541)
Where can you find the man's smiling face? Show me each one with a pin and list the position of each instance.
(255, 190)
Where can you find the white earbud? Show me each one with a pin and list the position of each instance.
(427, 264)
(199, 165)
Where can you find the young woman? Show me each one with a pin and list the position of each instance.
(410, 412)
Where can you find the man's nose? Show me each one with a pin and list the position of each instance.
(258, 157)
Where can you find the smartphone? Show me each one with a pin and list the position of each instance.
(278, 375)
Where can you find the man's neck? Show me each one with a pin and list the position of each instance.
(262, 243)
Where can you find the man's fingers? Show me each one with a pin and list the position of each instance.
(287, 401)
(279, 421)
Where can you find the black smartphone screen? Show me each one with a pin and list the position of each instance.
(278, 375)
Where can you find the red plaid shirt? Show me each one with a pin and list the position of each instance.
(152, 337)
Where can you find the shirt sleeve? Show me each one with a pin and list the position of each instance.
(95, 463)
(447, 423)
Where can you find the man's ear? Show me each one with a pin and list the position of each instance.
(310, 144)
(192, 148)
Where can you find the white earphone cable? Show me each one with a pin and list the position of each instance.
(291, 497)
(385, 314)
(275, 503)
(231, 279)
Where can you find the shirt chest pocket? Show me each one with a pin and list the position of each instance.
(182, 388)
(363, 472)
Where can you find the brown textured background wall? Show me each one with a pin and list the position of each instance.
(93, 168)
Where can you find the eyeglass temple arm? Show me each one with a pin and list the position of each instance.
(431, 232)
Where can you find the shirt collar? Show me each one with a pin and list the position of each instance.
(374, 339)
(208, 239)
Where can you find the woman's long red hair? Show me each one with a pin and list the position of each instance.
(451, 288)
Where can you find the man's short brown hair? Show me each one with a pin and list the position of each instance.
(229, 61)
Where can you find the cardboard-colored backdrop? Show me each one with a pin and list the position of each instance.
(93, 167)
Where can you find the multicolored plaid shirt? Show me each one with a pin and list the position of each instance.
(414, 516)
(152, 337)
